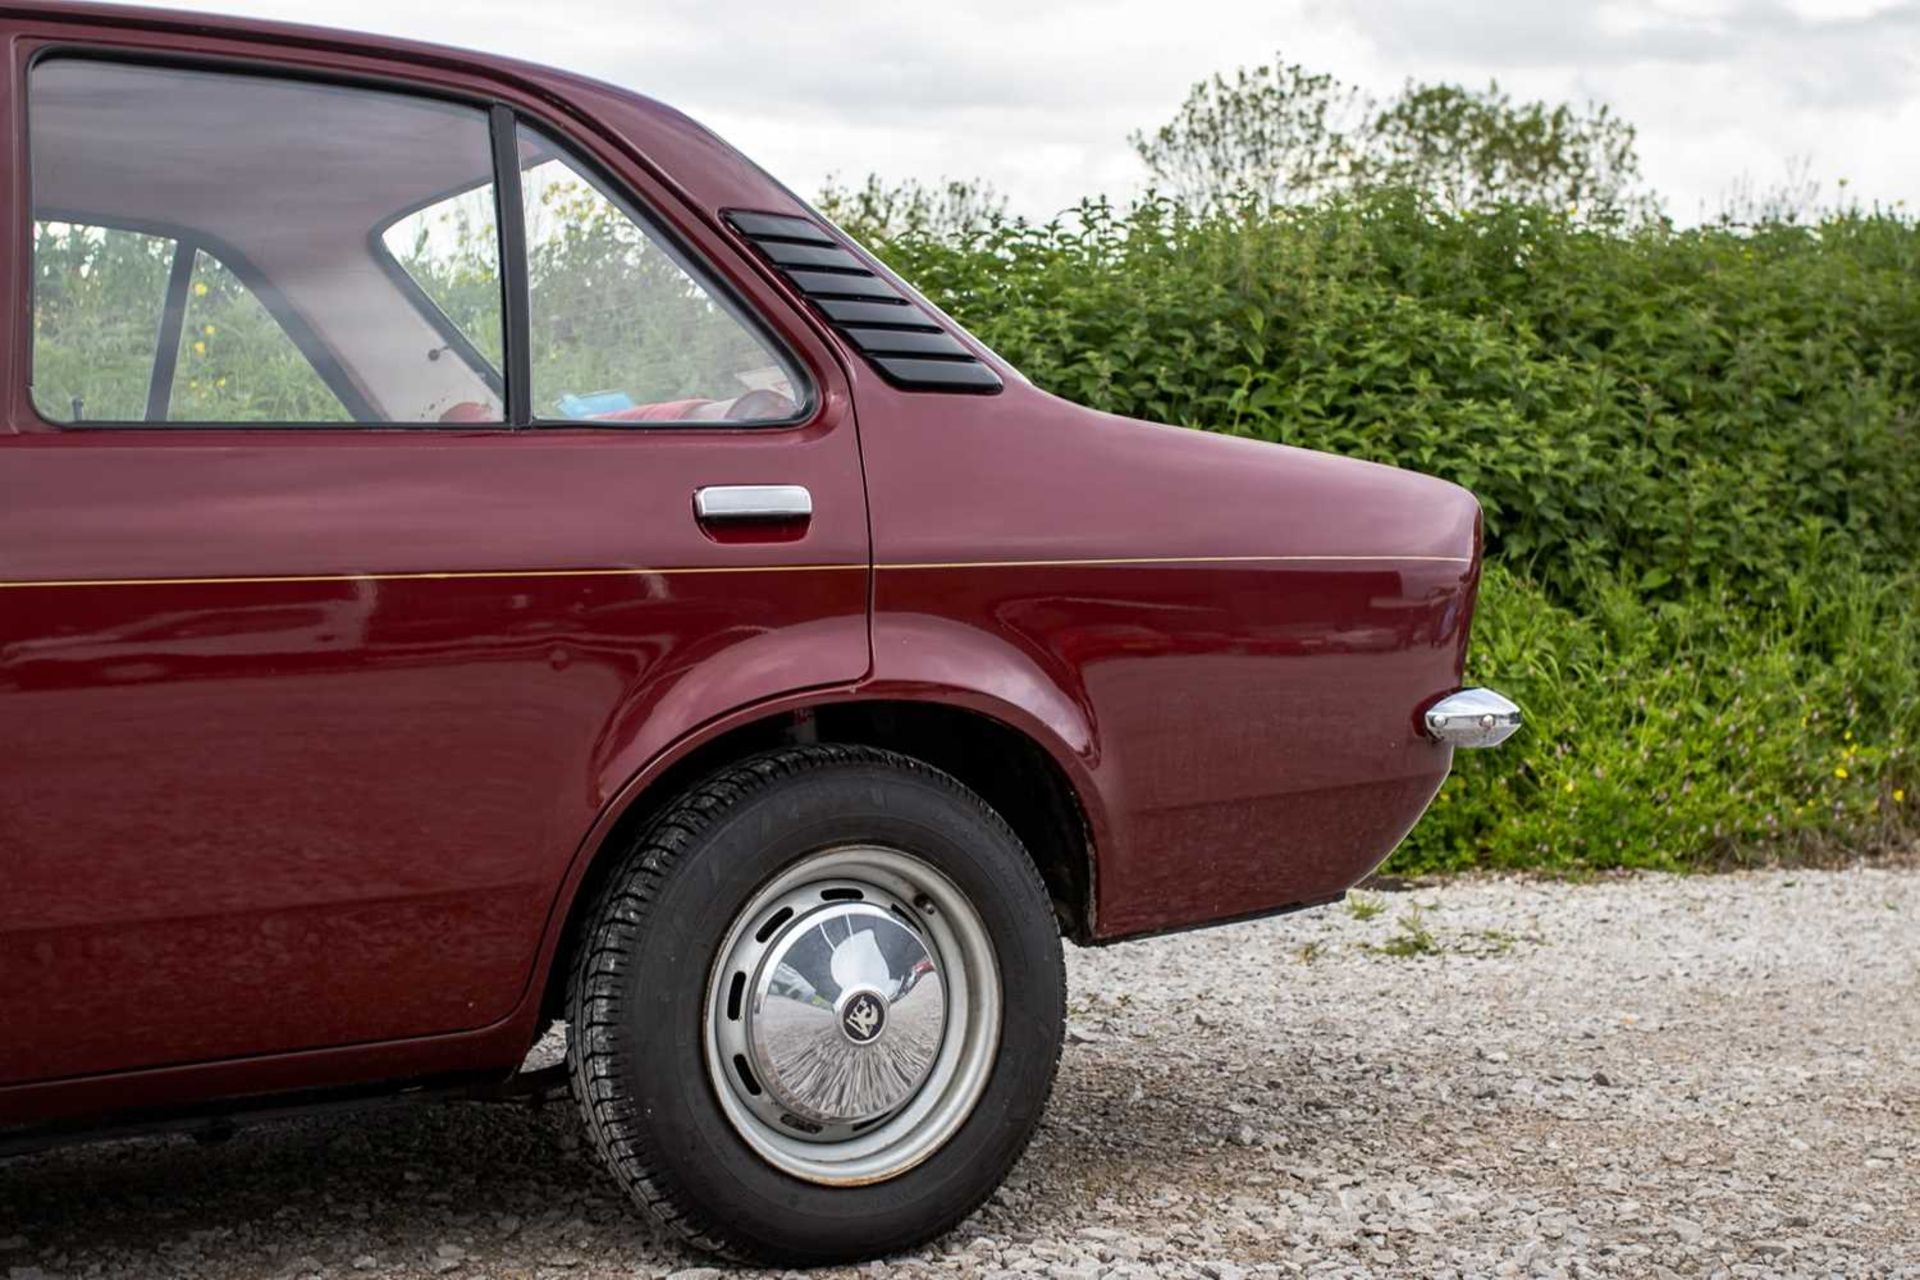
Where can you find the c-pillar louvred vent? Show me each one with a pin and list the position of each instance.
(903, 341)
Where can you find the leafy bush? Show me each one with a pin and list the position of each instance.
(1280, 134)
(1674, 733)
(1682, 408)
(98, 297)
(1697, 451)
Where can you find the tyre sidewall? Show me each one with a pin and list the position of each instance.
(660, 1043)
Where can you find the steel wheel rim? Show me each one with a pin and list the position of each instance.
(783, 1047)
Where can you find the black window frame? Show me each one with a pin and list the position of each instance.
(504, 122)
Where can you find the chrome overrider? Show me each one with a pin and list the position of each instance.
(1472, 718)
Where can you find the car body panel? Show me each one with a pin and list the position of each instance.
(1224, 645)
(405, 718)
(286, 626)
(1247, 631)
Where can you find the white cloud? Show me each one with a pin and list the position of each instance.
(1038, 98)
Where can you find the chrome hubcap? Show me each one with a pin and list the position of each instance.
(846, 1013)
(853, 1015)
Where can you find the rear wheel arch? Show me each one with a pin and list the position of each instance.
(1011, 768)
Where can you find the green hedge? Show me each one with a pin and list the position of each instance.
(1682, 733)
(1698, 452)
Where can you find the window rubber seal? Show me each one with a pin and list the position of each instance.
(511, 219)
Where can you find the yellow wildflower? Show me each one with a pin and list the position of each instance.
(199, 348)
(200, 289)
(1899, 796)
(209, 330)
(1840, 771)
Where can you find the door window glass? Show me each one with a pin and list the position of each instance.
(622, 328)
(98, 294)
(451, 250)
(236, 364)
(286, 190)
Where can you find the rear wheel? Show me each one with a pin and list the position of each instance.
(818, 1007)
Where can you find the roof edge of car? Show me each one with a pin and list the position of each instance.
(534, 77)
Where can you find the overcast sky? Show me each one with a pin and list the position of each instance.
(1038, 96)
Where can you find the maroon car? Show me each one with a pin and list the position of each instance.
(477, 553)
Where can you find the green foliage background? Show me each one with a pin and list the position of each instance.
(610, 310)
(1698, 451)
(97, 300)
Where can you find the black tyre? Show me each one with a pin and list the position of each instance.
(817, 1008)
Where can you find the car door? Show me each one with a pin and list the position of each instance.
(351, 541)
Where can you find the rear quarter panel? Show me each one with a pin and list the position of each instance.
(1248, 632)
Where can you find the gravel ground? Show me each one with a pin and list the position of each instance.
(1637, 1077)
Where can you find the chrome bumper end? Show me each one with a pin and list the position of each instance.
(1472, 718)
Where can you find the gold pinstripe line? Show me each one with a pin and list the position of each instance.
(488, 574)
(1153, 560)
(436, 576)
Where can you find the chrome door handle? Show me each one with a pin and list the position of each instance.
(753, 502)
